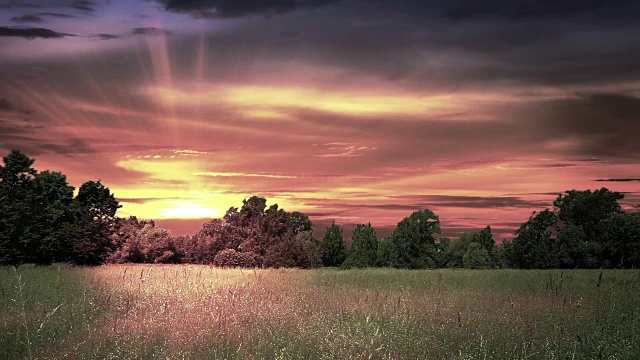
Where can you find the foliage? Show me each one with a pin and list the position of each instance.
(95, 209)
(414, 241)
(41, 222)
(334, 249)
(232, 258)
(476, 257)
(364, 247)
(533, 245)
(587, 209)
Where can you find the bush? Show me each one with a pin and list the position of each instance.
(233, 258)
(476, 257)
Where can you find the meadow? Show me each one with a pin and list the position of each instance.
(197, 311)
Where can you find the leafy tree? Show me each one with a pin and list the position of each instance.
(414, 239)
(334, 249)
(533, 245)
(454, 254)
(620, 237)
(443, 246)
(587, 209)
(569, 247)
(52, 226)
(95, 210)
(476, 257)
(485, 239)
(299, 250)
(16, 212)
(387, 253)
(364, 246)
(502, 255)
(232, 258)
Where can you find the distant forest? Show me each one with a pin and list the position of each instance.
(42, 222)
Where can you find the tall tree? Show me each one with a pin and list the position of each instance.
(533, 245)
(53, 224)
(334, 249)
(476, 257)
(587, 208)
(16, 212)
(95, 211)
(364, 247)
(415, 241)
(620, 236)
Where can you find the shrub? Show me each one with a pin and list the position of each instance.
(233, 258)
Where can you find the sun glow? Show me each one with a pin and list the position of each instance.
(189, 210)
(273, 101)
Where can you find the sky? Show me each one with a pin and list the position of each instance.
(349, 110)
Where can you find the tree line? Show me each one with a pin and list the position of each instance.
(42, 222)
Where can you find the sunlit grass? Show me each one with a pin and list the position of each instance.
(136, 311)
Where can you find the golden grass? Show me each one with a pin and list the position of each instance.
(195, 311)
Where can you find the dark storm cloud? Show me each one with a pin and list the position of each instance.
(27, 18)
(479, 202)
(416, 45)
(107, 36)
(31, 33)
(522, 10)
(32, 144)
(238, 8)
(151, 31)
(6, 105)
(598, 124)
(83, 5)
(54, 14)
(418, 202)
(618, 180)
(86, 6)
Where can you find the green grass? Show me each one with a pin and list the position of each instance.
(195, 312)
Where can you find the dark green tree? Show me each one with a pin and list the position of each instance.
(334, 249)
(570, 248)
(620, 238)
(415, 243)
(53, 226)
(587, 209)
(476, 257)
(364, 246)
(485, 238)
(454, 254)
(95, 212)
(387, 253)
(532, 248)
(16, 211)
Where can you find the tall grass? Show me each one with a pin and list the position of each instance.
(191, 311)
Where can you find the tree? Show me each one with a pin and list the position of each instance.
(334, 249)
(364, 245)
(387, 253)
(95, 210)
(52, 227)
(16, 211)
(569, 248)
(485, 239)
(415, 243)
(476, 257)
(454, 254)
(533, 245)
(587, 209)
(443, 246)
(620, 237)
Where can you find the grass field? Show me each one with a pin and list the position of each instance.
(136, 311)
